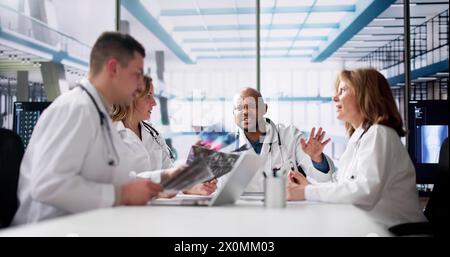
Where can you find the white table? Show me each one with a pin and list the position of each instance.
(246, 218)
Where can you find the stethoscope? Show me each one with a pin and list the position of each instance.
(155, 135)
(280, 145)
(112, 156)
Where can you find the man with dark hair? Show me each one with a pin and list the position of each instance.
(111, 44)
(75, 160)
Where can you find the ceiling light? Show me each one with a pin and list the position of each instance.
(401, 5)
(425, 79)
(374, 27)
(384, 19)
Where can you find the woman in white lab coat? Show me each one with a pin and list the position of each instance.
(146, 144)
(375, 171)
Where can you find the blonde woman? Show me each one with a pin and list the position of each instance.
(375, 171)
(145, 142)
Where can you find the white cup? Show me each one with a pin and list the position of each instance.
(275, 192)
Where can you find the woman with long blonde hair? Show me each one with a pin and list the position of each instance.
(151, 153)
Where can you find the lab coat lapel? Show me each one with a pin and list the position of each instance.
(349, 154)
(146, 137)
(243, 141)
(270, 137)
(91, 89)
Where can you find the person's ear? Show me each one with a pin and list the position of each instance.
(112, 66)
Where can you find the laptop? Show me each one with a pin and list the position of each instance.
(238, 178)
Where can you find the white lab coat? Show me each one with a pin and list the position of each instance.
(64, 169)
(149, 157)
(158, 150)
(292, 151)
(376, 174)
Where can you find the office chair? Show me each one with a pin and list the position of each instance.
(11, 153)
(437, 209)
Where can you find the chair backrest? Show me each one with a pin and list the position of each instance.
(11, 153)
(437, 209)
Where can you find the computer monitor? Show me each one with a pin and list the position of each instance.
(429, 139)
(26, 115)
(428, 127)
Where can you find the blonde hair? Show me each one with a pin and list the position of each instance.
(374, 99)
(122, 112)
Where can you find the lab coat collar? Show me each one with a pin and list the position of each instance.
(356, 135)
(242, 138)
(108, 107)
(101, 102)
(270, 137)
(120, 126)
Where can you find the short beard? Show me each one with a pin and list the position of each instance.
(256, 128)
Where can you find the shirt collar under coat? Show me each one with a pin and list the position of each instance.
(270, 137)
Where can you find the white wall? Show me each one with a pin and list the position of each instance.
(85, 20)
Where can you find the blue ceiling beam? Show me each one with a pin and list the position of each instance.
(238, 49)
(209, 57)
(143, 16)
(252, 39)
(252, 10)
(365, 12)
(421, 72)
(253, 27)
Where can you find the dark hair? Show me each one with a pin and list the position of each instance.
(374, 98)
(113, 45)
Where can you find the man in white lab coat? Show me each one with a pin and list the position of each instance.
(74, 161)
(282, 146)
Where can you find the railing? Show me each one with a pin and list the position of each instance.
(429, 45)
(14, 21)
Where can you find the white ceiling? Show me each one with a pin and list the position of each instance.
(227, 41)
